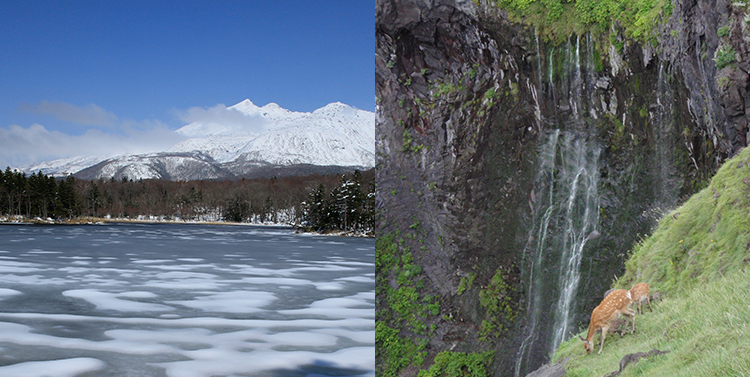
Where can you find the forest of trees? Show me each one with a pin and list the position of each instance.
(316, 202)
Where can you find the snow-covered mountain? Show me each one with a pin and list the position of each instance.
(64, 167)
(268, 140)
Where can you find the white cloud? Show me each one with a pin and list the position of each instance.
(89, 115)
(219, 120)
(21, 146)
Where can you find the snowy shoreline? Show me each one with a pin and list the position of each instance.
(85, 220)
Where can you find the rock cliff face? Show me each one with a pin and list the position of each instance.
(517, 172)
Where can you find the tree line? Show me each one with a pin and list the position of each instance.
(314, 202)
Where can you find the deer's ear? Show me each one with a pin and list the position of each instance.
(581, 338)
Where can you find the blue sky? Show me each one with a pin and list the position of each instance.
(88, 77)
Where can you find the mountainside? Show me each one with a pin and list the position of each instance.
(265, 140)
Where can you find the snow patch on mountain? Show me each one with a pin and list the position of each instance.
(64, 166)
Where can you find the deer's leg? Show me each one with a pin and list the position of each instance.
(604, 335)
(632, 319)
(648, 300)
(624, 327)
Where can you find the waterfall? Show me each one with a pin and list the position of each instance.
(565, 206)
(576, 84)
(540, 67)
(579, 174)
(662, 117)
(532, 88)
(551, 71)
(534, 250)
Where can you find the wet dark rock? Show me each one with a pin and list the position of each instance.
(550, 370)
(633, 358)
(603, 83)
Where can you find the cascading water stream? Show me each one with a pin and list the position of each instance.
(551, 68)
(540, 68)
(532, 87)
(535, 247)
(565, 206)
(580, 174)
(576, 84)
(664, 135)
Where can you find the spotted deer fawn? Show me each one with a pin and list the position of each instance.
(639, 293)
(616, 303)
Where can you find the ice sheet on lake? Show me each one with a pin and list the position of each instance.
(166, 302)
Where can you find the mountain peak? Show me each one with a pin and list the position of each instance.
(273, 110)
(333, 109)
(273, 105)
(336, 105)
(246, 106)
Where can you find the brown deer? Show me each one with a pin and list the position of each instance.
(639, 293)
(616, 303)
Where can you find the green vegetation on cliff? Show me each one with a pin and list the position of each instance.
(458, 364)
(399, 311)
(497, 299)
(557, 19)
(697, 260)
(404, 314)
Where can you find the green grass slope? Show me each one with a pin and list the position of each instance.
(697, 258)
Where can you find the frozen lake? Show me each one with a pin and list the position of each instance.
(184, 301)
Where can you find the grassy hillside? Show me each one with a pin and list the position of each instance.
(697, 258)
